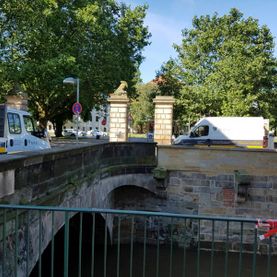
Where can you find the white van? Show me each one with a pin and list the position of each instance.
(247, 132)
(18, 132)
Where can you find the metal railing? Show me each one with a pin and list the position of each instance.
(52, 241)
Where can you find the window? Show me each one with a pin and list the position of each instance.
(201, 131)
(14, 123)
(29, 124)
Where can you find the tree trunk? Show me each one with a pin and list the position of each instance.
(43, 123)
(59, 127)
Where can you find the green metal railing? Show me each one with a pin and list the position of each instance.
(52, 241)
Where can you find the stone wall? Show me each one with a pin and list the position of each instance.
(221, 182)
(35, 176)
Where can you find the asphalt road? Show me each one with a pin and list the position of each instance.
(65, 142)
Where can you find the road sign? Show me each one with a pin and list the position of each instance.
(104, 121)
(77, 108)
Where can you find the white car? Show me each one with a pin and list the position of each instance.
(96, 134)
(71, 133)
(68, 133)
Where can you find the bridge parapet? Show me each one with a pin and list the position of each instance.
(28, 177)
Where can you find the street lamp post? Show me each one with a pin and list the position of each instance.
(73, 81)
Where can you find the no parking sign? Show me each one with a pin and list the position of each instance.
(77, 108)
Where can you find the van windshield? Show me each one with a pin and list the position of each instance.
(200, 131)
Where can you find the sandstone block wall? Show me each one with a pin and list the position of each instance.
(220, 182)
(118, 118)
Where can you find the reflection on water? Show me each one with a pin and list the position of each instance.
(178, 267)
(155, 263)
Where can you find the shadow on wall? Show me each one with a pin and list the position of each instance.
(88, 229)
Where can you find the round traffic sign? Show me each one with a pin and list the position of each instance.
(77, 108)
(104, 122)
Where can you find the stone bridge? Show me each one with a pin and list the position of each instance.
(83, 176)
(111, 175)
(229, 182)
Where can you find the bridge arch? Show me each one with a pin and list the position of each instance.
(87, 220)
(102, 193)
(105, 193)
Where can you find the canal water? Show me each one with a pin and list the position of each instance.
(190, 265)
(157, 262)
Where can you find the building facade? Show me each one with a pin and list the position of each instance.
(99, 121)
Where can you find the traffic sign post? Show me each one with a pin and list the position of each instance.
(77, 109)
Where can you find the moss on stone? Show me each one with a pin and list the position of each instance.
(160, 173)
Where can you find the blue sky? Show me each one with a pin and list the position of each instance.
(166, 19)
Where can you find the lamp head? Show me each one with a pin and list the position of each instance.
(70, 80)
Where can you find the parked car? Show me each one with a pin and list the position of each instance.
(68, 133)
(96, 133)
(72, 133)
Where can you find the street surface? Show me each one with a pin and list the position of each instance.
(65, 142)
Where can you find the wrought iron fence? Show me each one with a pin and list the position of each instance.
(52, 241)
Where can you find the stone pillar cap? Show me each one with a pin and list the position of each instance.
(118, 98)
(164, 99)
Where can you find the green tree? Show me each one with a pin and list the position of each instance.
(42, 42)
(142, 107)
(225, 66)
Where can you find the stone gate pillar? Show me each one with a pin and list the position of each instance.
(118, 117)
(19, 101)
(163, 119)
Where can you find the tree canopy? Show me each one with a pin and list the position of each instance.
(142, 107)
(44, 41)
(225, 66)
